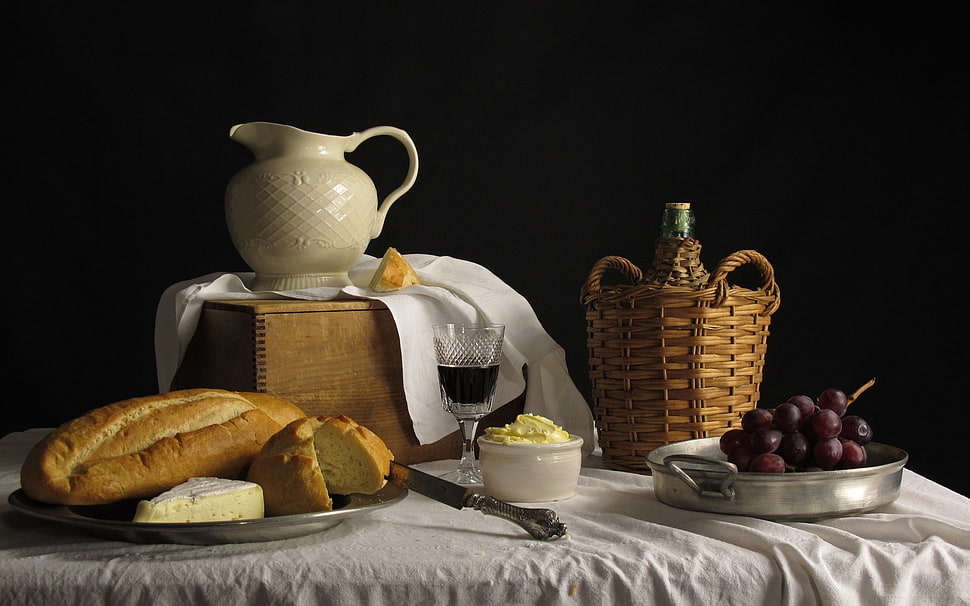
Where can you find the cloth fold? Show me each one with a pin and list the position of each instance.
(452, 290)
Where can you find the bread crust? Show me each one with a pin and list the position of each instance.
(140, 447)
(393, 273)
(314, 457)
(288, 471)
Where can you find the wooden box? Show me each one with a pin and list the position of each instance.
(327, 357)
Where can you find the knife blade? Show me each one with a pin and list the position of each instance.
(542, 524)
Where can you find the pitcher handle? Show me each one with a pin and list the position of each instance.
(357, 138)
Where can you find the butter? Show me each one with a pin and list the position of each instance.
(204, 500)
(529, 429)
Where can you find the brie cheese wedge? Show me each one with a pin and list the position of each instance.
(204, 500)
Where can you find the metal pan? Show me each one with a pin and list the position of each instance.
(695, 475)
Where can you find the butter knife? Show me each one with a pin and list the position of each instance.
(542, 524)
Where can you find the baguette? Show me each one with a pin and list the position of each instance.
(314, 457)
(138, 448)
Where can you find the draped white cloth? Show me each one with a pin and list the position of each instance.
(452, 290)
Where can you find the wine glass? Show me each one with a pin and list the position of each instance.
(468, 366)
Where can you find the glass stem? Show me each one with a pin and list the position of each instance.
(468, 466)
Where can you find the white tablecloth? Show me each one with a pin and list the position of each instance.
(623, 547)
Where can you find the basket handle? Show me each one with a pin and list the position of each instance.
(593, 286)
(718, 279)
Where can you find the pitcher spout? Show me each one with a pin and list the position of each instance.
(269, 140)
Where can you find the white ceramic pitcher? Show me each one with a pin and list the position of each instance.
(300, 215)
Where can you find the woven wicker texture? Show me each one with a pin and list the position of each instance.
(676, 356)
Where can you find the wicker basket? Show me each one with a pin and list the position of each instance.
(678, 354)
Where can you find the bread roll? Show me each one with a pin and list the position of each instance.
(141, 447)
(314, 457)
(393, 273)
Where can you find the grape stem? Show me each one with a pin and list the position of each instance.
(855, 394)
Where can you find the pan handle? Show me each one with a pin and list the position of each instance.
(726, 488)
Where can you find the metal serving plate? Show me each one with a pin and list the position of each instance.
(695, 475)
(114, 521)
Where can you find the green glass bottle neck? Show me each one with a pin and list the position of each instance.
(677, 223)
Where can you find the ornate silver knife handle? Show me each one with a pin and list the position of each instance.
(542, 524)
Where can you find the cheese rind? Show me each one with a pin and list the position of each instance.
(204, 500)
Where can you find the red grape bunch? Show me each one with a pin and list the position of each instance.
(801, 434)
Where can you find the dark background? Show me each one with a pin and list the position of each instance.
(832, 140)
